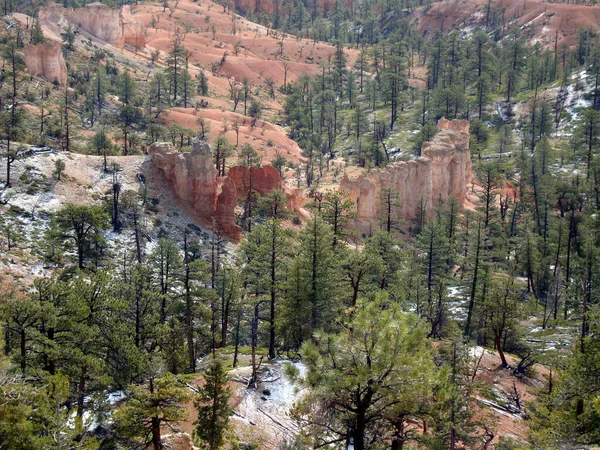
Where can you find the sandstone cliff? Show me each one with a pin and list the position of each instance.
(214, 199)
(46, 60)
(442, 171)
(114, 26)
(134, 31)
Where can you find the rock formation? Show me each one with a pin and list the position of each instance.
(442, 171)
(134, 31)
(46, 60)
(114, 26)
(263, 179)
(193, 174)
(213, 198)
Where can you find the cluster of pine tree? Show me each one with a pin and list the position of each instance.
(376, 319)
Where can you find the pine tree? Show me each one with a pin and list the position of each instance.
(83, 226)
(359, 370)
(37, 35)
(176, 66)
(166, 263)
(158, 96)
(202, 86)
(213, 407)
(337, 209)
(318, 267)
(127, 87)
(150, 408)
(265, 255)
(12, 129)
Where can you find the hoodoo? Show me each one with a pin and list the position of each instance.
(46, 60)
(213, 198)
(442, 171)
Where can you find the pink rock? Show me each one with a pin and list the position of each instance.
(442, 171)
(264, 179)
(46, 60)
(214, 198)
(114, 26)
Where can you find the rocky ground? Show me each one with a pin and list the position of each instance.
(36, 193)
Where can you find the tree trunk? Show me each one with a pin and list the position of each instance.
(474, 284)
(81, 391)
(23, 351)
(80, 255)
(398, 438)
(8, 163)
(237, 341)
(359, 430)
(156, 438)
(51, 362)
(138, 243)
(498, 342)
(189, 329)
(273, 293)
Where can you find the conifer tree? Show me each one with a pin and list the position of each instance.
(83, 226)
(213, 407)
(151, 408)
(359, 370)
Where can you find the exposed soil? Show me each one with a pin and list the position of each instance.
(540, 21)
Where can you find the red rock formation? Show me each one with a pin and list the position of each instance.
(114, 26)
(443, 170)
(213, 198)
(100, 21)
(264, 179)
(193, 174)
(134, 32)
(46, 60)
(224, 215)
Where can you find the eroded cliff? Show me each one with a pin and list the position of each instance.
(442, 171)
(114, 26)
(46, 60)
(212, 198)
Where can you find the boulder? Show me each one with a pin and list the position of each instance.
(46, 60)
(442, 171)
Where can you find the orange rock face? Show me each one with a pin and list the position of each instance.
(263, 179)
(114, 26)
(214, 198)
(193, 174)
(46, 60)
(134, 32)
(224, 215)
(442, 171)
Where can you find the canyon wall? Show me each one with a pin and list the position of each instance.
(134, 31)
(442, 171)
(46, 60)
(114, 26)
(212, 198)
